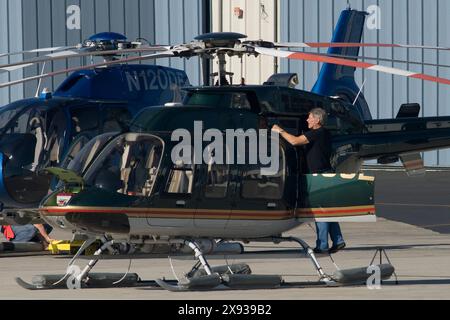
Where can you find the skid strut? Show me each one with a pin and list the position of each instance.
(222, 277)
(84, 278)
(310, 253)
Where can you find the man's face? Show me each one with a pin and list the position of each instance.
(313, 122)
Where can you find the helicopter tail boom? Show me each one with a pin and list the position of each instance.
(402, 139)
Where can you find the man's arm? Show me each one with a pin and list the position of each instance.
(44, 233)
(294, 140)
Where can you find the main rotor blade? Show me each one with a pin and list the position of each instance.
(351, 45)
(383, 59)
(167, 54)
(349, 63)
(37, 51)
(74, 54)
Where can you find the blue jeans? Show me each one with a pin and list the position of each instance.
(27, 233)
(325, 228)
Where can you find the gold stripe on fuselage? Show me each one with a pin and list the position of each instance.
(216, 214)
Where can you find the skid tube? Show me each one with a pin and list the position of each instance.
(202, 277)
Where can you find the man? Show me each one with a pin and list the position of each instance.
(28, 233)
(318, 153)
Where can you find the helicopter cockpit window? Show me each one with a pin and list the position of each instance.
(180, 179)
(208, 99)
(79, 160)
(9, 116)
(24, 131)
(20, 124)
(115, 118)
(217, 181)
(128, 165)
(84, 119)
(257, 186)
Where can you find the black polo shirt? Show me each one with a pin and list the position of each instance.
(318, 150)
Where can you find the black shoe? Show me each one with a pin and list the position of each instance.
(319, 251)
(335, 249)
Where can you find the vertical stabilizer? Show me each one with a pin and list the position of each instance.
(337, 80)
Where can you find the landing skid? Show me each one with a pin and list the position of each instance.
(202, 277)
(102, 280)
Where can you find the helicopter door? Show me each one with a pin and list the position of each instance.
(214, 202)
(260, 197)
(175, 206)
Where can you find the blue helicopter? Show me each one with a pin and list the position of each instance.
(50, 129)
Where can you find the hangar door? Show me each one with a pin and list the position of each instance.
(256, 19)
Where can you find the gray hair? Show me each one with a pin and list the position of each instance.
(320, 114)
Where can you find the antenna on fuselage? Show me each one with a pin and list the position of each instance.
(359, 93)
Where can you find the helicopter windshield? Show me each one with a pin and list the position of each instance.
(83, 157)
(34, 135)
(9, 112)
(78, 160)
(128, 165)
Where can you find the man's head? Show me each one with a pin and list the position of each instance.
(317, 118)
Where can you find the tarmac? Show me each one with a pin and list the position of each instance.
(421, 258)
(420, 255)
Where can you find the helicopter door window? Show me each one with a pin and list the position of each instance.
(151, 166)
(217, 181)
(180, 179)
(240, 101)
(256, 186)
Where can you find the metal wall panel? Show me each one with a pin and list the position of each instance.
(423, 22)
(30, 24)
(4, 47)
(15, 44)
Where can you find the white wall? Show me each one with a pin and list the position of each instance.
(259, 22)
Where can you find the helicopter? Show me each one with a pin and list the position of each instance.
(51, 128)
(126, 189)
